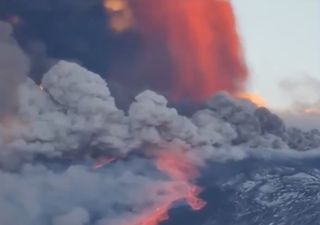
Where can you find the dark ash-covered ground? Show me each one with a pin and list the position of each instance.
(257, 192)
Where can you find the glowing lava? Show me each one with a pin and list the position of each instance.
(255, 99)
(178, 168)
(202, 41)
(121, 17)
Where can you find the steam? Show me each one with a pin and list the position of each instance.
(47, 159)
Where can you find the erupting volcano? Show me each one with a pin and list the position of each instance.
(202, 41)
(71, 154)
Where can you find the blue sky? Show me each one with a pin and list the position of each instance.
(281, 40)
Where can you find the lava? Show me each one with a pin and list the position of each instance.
(255, 99)
(181, 171)
(176, 166)
(202, 41)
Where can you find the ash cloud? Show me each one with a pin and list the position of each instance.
(47, 154)
(304, 91)
(73, 112)
(71, 30)
(14, 66)
(305, 110)
(49, 146)
(78, 196)
(79, 31)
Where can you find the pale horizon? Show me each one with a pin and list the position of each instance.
(281, 43)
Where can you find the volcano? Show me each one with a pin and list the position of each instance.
(134, 112)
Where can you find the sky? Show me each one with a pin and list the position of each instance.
(281, 40)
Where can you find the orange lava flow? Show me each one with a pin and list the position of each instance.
(178, 168)
(203, 44)
(182, 172)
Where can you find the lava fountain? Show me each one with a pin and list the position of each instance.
(202, 42)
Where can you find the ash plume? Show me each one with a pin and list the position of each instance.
(48, 30)
(70, 156)
(45, 158)
(103, 39)
(14, 66)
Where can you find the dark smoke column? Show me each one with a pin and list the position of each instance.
(185, 49)
(73, 30)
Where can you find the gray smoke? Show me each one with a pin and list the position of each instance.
(304, 92)
(14, 67)
(73, 115)
(79, 195)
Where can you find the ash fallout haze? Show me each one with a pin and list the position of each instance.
(116, 112)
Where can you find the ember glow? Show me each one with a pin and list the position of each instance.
(8, 125)
(103, 161)
(314, 111)
(178, 168)
(255, 99)
(203, 44)
(121, 17)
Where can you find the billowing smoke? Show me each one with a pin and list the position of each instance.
(55, 158)
(70, 156)
(186, 50)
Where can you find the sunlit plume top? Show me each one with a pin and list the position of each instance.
(314, 111)
(255, 99)
(121, 17)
